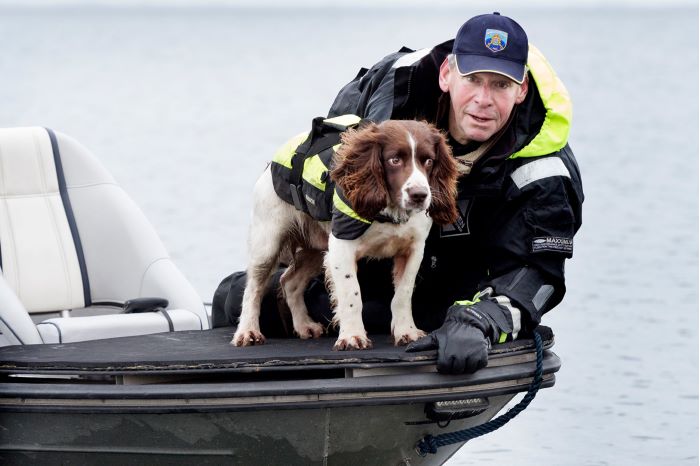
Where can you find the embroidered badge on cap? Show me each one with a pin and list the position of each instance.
(495, 40)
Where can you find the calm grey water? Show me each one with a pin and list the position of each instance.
(186, 105)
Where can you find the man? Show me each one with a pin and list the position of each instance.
(494, 273)
(520, 193)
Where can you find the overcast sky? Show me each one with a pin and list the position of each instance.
(471, 4)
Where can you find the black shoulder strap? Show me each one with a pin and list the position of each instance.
(300, 155)
(325, 133)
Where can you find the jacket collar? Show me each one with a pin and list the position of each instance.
(553, 133)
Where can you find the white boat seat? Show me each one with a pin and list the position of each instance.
(71, 238)
(72, 329)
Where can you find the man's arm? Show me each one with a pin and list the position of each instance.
(532, 237)
(535, 236)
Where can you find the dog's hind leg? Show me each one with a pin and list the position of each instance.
(268, 232)
(248, 330)
(307, 264)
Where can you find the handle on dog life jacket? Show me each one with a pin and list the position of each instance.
(325, 133)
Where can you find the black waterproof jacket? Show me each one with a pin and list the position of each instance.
(520, 206)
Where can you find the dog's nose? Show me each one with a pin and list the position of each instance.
(417, 195)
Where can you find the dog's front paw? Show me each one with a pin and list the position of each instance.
(352, 342)
(404, 337)
(247, 337)
(309, 329)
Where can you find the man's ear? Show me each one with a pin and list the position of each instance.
(445, 76)
(522, 90)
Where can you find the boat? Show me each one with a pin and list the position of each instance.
(95, 370)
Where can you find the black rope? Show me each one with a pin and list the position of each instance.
(430, 444)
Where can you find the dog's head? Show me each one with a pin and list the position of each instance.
(402, 164)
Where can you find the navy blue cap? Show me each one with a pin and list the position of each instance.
(494, 44)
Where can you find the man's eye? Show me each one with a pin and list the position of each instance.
(503, 84)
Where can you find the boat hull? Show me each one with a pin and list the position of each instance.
(383, 435)
(289, 402)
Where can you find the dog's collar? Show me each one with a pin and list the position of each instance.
(383, 218)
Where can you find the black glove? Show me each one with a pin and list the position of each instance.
(465, 337)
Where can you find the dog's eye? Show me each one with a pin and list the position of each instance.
(428, 162)
(396, 161)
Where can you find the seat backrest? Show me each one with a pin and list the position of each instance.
(70, 236)
(40, 260)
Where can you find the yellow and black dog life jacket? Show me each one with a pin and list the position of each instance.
(301, 176)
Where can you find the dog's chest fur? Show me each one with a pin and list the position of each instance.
(389, 239)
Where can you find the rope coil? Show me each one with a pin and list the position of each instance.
(430, 443)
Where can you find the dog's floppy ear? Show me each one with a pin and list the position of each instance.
(359, 172)
(443, 182)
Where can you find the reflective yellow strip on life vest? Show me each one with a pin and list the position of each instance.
(346, 209)
(313, 172)
(284, 154)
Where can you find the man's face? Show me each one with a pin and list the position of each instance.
(481, 103)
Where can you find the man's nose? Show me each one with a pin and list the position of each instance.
(483, 95)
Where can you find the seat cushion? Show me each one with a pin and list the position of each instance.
(73, 329)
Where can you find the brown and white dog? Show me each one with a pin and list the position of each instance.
(400, 169)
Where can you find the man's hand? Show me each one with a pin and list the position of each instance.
(465, 337)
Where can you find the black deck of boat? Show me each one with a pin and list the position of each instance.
(210, 351)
